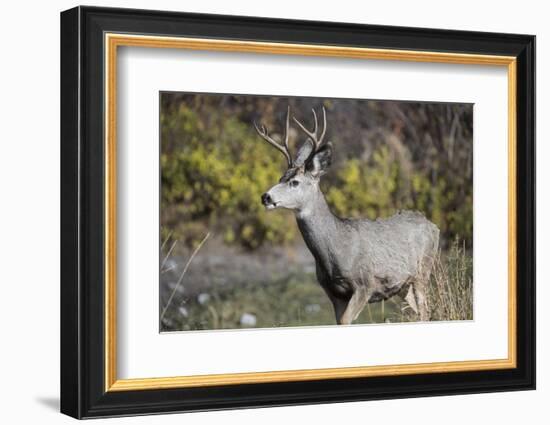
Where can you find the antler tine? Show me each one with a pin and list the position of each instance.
(287, 131)
(264, 134)
(313, 134)
(324, 126)
(316, 124)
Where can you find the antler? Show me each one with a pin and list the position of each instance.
(313, 136)
(264, 133)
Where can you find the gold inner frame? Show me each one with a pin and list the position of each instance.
(113, 41)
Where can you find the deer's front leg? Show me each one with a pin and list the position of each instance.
(355, 306)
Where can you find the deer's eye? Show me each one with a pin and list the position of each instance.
(294, 183)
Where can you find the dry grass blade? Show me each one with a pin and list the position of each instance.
(167, 254)
(182, 273)
(166, 239)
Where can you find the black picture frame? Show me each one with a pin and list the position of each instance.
(83, 392)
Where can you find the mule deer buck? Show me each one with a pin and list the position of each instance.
(358, 261)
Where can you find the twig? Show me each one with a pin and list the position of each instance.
(181, 276)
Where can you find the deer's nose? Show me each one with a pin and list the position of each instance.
(266, 199)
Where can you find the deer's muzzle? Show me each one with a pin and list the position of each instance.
(267, 201)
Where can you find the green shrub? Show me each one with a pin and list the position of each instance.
(213, 174)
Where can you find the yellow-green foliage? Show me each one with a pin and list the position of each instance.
(439, 202)
(215, 168)
(213, 174)
(365, 190)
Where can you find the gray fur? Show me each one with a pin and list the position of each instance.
(358, 260)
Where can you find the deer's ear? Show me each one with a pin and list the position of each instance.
(320, 162)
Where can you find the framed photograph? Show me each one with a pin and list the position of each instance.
(261, 212)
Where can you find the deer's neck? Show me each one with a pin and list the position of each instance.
(319, 227)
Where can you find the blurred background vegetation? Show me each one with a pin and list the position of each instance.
(388, 155)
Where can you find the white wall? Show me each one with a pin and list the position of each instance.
(29, 225)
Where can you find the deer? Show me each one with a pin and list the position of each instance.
(357, 260)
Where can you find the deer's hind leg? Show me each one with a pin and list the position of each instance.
(420, 288)
(410, 298)
(421, 300)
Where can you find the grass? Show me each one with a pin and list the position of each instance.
(297, 300)
(450, 292)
